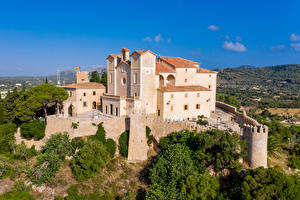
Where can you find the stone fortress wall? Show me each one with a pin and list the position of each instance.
(255, 135)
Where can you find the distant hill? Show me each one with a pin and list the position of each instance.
(281, 82)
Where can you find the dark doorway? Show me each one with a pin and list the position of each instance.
(70, 110)
(94, 105)
(117, 111)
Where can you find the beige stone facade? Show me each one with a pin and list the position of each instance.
(169, 87)
(83, 96)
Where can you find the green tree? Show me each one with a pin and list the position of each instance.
(10, 104)
(33, 129)
(58, 144)
(7, 137)
(123, 143)
(104, 78)
(95, 77)
(204, 187)
(170, 168)
(90, 159)
(38, 98)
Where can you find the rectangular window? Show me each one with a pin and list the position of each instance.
(185, 80)
(186, 95)
(172, 95)
(94, 93)
(172, 108)
(197, 106)
(198, 94)
(84, 94)
(70, 93)
(117, 111)
(111, 109)
(84, 104)
(106, 109)
(186, 107)
(158, 112)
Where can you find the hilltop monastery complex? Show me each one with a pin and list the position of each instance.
(166, 94)
(168, 87)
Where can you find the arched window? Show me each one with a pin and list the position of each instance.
(135, 78)
(171, 80)
(161, 81)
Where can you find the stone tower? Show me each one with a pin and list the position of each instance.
(137, 147)
(256, 138)
(82, 77)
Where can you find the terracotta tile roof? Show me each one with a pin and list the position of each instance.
(114, 56)
(141, 52)
(125, 49)
(123, 62)
(189, 88)
(179, 62)
(88, 85)
(162, 68)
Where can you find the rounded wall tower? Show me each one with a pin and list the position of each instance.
(256, 138)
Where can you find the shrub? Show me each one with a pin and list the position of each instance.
(33, 129)
(150, 138)
(45, 169)
(294, 162)
(21, 151)
(101, 134)
(111, 147)
(123, 143)
(77, 143)
(20, 195)
(90, 159)
(202, 122)
(58, 144)
(7, 137)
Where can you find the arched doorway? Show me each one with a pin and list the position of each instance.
(171, 80)
(94, 105)
(70, 110)
(161, 81)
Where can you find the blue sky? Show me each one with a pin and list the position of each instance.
(39, 37)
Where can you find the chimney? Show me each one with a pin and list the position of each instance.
(125, 54)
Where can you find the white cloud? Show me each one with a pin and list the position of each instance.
(237, 47)
(294, 37)
(278, 47)
(147, 39)
(169, 40)
(158, 38)
(296, 46)
(213, 28)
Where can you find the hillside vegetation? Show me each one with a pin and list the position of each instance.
(265, 87)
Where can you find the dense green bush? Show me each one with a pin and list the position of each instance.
(212, 148)
(77, 143)
(174, 175)
(33, 129)
(111, 147)
(90, 159)
(261, 183)
(7, 137)
(123, 143)
(294, 162)
(150, 138)
(59, 144)
(44, 171)
(20, 151)
(73, 194)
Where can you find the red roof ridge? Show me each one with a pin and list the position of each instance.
(187, 88)
(113, 56)
(141, 52)
(87, 85)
